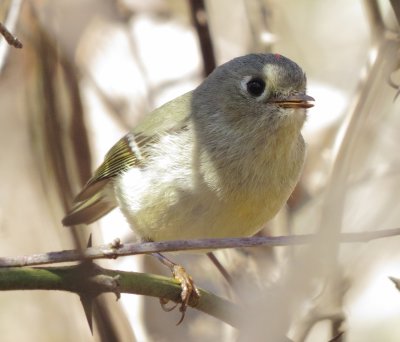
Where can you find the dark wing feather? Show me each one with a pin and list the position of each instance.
(94, 200)
(88, 211)
(120, 158)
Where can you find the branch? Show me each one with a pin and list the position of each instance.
(200, 22)
(88, 279)
(9, 25)
(116, 249)
(9, 37)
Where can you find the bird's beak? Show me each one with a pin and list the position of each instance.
(294, 101)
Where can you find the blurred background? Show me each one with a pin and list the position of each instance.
(90, 70)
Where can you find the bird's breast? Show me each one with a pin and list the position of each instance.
(185, 196)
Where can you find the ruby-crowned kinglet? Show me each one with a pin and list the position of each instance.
(218, 161)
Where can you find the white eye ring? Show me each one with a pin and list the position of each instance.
(243, 85)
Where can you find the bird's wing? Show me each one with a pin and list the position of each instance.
(94, 201)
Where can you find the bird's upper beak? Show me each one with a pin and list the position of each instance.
(294, 101)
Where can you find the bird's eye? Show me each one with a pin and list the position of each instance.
(255, 86)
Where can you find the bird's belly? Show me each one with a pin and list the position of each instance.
(161, 212)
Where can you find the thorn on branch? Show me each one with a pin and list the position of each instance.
(93, 282)
(107, 284)
(87, 303)
(90, 240)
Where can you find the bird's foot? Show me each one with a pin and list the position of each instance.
(189, 290)
(190, 293)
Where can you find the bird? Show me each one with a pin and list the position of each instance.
(218, 161)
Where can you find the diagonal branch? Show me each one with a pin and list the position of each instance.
(6, 29)
(9, 37)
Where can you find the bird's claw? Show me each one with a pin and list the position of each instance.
(189, 290)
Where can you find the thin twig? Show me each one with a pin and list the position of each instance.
(9, 37)
(10, 22)
(220, 268)
(114, 250)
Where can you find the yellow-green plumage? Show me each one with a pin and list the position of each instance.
(219, 161)
(94, 201)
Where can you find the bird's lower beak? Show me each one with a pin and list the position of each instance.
(295, 101)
